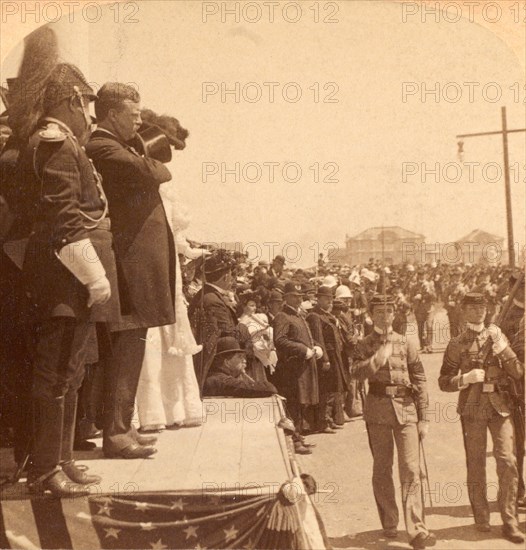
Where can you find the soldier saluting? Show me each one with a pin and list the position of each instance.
(69, 267)
(484, 403)
(394, 410)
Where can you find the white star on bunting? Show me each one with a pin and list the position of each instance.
(112, 532)
(191, 531)
(177, 504)
(231, 533)
(142, 506)
(104, 509)
(147, 526)
(158, 545)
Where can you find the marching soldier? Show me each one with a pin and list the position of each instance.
(70, 272)
(394, 411)
(484, 403)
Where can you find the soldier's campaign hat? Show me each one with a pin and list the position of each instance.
(228, 344)
(280, 259)
(474, 299)
(292, 288)
(381, 299)
(325, 291)
(65, 81)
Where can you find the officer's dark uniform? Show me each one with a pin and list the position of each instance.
(396, 401)
(484, 406)
(69, 207)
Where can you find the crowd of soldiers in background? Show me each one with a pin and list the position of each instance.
(419, 290)
(258, 291)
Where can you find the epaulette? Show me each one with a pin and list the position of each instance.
(52, 132)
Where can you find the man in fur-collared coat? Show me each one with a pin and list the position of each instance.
(296, 373)
(331, 375)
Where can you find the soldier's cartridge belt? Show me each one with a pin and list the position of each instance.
(389, 390)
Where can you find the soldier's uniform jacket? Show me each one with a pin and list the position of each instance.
(403, 368)
(298, 375)
(459, 358)
(324, 329)
(69, 206)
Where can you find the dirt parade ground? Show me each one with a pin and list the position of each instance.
(342, 467)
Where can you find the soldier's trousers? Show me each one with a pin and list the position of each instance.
(475, 433)
(58, 373)
(381, 440)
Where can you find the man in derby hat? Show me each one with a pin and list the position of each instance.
(212, 311)
(227, 375)
(276, 269)
(331, 376)
(395, 409)
(69, 269)
(484, 403)
(297, 354)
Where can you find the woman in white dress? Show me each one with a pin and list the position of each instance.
(261, 337)
(168, 393)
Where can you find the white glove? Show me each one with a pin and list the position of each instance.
(418, 296)
(500, 342)
(382, 354)
(473, 376)
(80, 257)
(99, 291)
(368, 320)
(272, 359)
(309, 353)
(318, 352)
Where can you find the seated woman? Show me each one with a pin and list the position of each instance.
(227, 377)
(261, 338)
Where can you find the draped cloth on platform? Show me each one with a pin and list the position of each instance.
(161, 520)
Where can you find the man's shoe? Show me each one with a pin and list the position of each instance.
(521, 502)
(301, 450)
(512, 533)
(307, 444)
(79, 476)
(423, 540)
(145, 439)
(132, 451)
(346, 417)
(58, 483)
(391, 533)
(84, 445)
(336, 426)
(483, 527)
(327, 430)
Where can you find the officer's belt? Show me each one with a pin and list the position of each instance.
(389, 390)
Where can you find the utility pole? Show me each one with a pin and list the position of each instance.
(509, 219)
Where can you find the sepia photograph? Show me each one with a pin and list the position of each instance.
(262, 274)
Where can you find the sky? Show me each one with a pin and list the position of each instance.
(353, 130)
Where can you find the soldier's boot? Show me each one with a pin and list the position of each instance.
(67, 463)
(45, 473)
